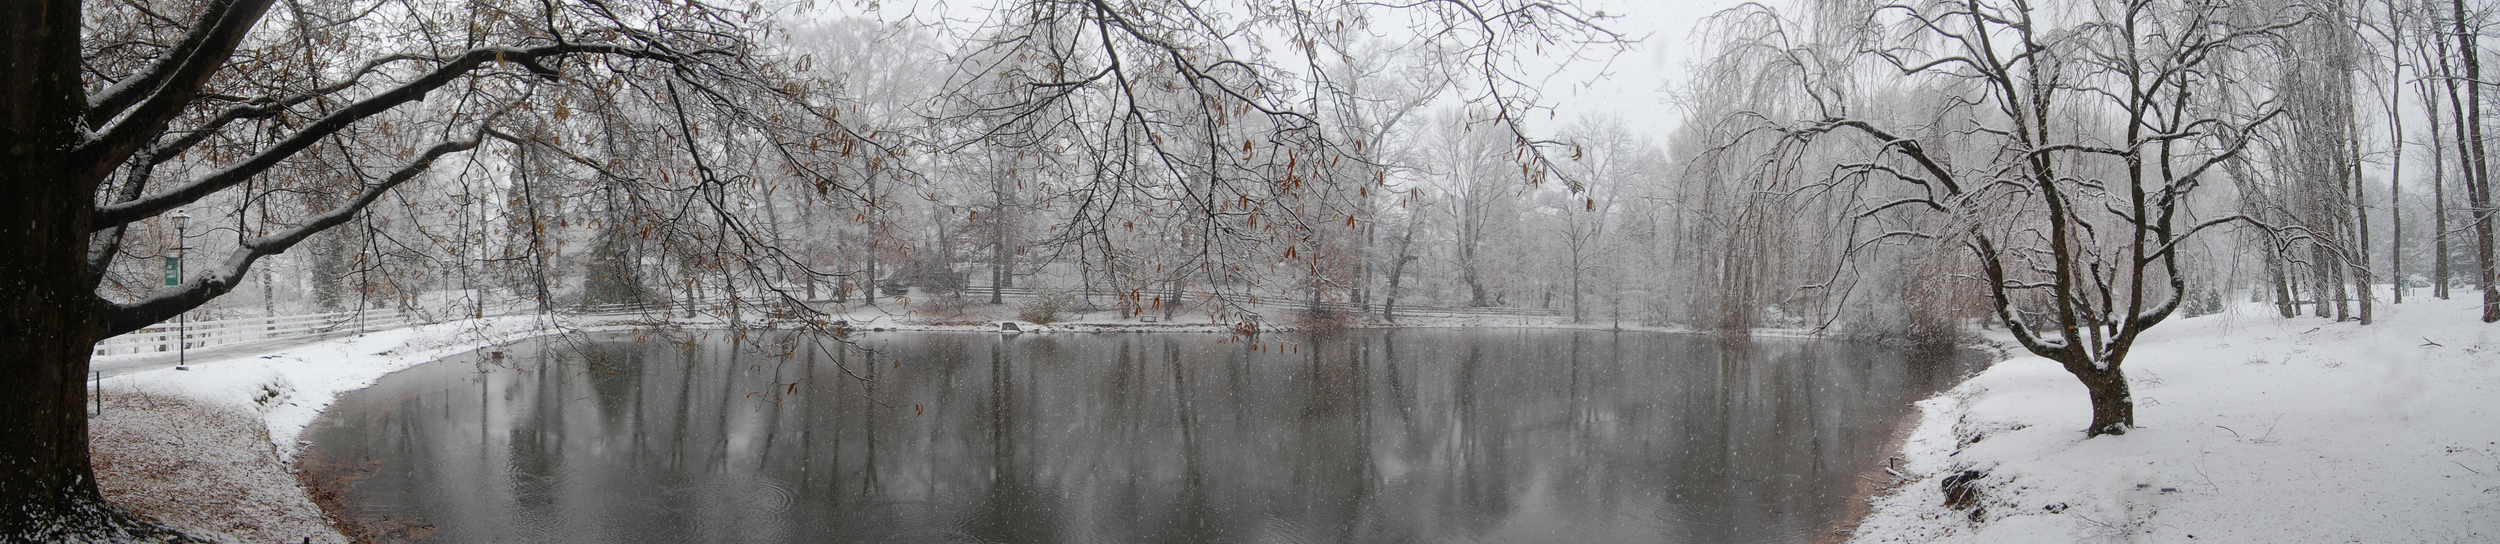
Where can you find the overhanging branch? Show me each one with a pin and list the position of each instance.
(122, 213)
(199, 290)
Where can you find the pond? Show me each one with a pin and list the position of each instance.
(1352, 436)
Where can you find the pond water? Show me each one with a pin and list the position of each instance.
(1355, 436)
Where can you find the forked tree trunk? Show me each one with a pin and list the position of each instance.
(2113, 408)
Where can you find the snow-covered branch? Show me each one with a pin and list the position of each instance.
(121, 213)
(199, 290)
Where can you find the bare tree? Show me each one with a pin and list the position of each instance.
(2063, 149)
(2434, 62)
(1482, 198)
(2391, 32)
(2478, 171)
(1610, 160)
(1223, 154)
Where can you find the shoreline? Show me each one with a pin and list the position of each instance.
(286, 390)
(1889, 476)
(1870, 484)
(220, 479)
(233, 423)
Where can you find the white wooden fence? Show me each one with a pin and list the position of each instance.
(161, 338)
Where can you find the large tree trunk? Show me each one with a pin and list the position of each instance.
(1002, 271)
(49, 320)
(2478, 186)
(1468, 274)
(2278, 278)
(2360, 272)
(2439, 187)
(1397, 271)
(2322, 281)
(2439, 210)
(2396, 154)
(2113, 409)
(1575, 294)
(49, 314)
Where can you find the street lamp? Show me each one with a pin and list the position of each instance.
(365, 260)
(173, 278)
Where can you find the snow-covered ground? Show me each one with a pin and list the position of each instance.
(205, 449)
(288, 388)
(2251, 428)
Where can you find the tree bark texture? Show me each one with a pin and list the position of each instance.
(2113, 408)
(49, 315)
(2478, 186)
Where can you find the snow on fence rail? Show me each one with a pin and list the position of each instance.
(161, 337)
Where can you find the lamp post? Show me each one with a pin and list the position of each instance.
(173, 278)
(365, 259)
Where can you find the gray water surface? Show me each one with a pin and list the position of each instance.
(1357, 436)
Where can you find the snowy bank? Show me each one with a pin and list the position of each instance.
(2251, 428)
(207, 470)
(287, 389)
(206, 449)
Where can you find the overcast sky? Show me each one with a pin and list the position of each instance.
(1631, 85)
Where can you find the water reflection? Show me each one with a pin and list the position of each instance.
(1364, 436)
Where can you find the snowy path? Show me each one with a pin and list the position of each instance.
(112, 366)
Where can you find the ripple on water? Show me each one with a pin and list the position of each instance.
(1283, 530)
(1713, 522)
(932, 536)
(743, 495)
(1683, 521)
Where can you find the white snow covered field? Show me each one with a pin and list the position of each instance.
(2251, 428)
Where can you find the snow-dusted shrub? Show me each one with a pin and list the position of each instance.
(1046, 305)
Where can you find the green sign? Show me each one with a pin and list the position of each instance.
(173, 271)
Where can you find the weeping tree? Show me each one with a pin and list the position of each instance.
(2061, 151)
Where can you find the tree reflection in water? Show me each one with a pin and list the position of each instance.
(1350, 436)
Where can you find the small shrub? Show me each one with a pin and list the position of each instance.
(941, 306)
(1046, 306)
